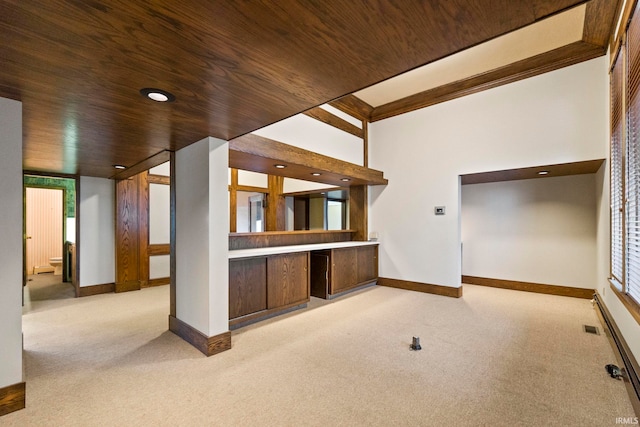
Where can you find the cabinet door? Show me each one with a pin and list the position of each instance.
(367, 263)
(288, 279)
(247, 286)
(344, 269)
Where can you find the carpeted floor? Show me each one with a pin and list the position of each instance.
(493, 358)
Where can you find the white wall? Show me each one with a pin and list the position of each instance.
(253, 179)
(535, 230)
(11, 248)
(164, 169)
(159, 266)
(159, 213)
(311, 134)
(292, 185)
(97, 231)
(202, 236)
(553, 118)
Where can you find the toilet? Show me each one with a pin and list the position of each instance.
(56, 263)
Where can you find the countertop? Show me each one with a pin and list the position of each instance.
(274, 250)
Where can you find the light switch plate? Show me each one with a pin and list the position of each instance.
(439, 210)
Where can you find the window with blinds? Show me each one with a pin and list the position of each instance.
(617, 138)
(632, 175)
(625, 164)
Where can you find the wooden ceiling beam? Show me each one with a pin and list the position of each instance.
(335, 121)
(148, 163)
(563, 169)
(543, 63)
(258, 154)
(353, 106)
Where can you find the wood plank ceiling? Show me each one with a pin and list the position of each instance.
(234, 66)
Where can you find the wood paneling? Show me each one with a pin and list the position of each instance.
(565, 291)
(12, 398)
(158, 179)
(87, 291)
(233, 66)
(286, 238)
(335, 121)
(344, 269)
(159, 249)
(247, 286)
(543, 63)
(127, 241)
(428, 288)
(258, 154)
(353, 106)
(207, 345)
(288, 279)
(564, 169)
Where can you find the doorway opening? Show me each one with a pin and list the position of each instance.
(49, 267)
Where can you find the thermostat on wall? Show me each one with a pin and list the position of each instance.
(439, 210)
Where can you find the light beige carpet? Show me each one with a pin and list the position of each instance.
(493, 358)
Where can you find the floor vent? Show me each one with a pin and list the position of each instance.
(591, 329)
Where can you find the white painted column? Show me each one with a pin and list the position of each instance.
(202, 236)
(11, 248)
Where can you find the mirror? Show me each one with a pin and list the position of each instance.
(308, 205)
(323, 210)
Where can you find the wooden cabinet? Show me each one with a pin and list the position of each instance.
(338, 270)
(262, 286)
(367, 263)
(288, 279)
(247, 286)
(344, 269)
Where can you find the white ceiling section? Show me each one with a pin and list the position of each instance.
(543, 36)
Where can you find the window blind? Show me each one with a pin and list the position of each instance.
(632, 175)
(617, 133)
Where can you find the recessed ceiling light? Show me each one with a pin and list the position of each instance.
(346, 179)
(157, 94)
(543, 173)
(280, 166)
(119, 167)
(316, 174)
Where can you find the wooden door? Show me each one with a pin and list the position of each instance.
(367, 263)
(287, 279)
(247, 286)
(344, 271)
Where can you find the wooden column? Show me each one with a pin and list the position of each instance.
(358, 211)
(127, 229)
(233, 201)
(276, 206)
(143, 229)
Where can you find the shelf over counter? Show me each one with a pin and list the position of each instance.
(257, 252)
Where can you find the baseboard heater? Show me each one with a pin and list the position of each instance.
(630, 364)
